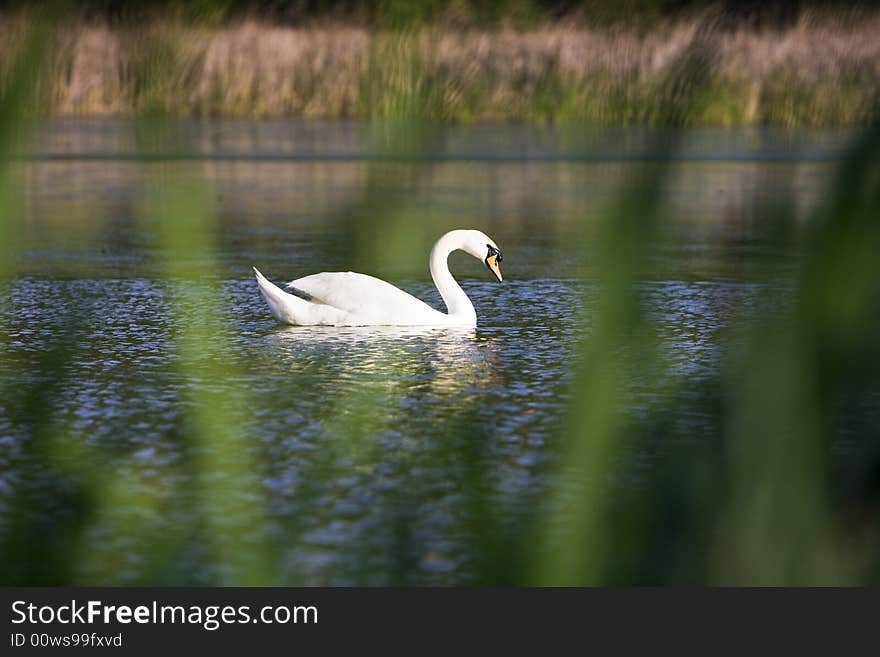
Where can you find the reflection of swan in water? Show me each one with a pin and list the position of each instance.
(354, 334)
(350, 299)
(443, 359)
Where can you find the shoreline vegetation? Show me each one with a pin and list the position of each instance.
(814, 70)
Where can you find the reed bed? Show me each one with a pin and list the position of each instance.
(817, 71)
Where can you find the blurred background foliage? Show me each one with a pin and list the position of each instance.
(763, 499)
(779, 63)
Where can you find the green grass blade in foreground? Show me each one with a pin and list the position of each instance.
(36, 544)
(574, 534)
(229, 500)
(804, 369)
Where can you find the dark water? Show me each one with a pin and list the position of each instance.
(370, 451)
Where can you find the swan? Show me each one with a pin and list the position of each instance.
(351, 299)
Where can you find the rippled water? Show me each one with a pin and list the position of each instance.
(367, 443)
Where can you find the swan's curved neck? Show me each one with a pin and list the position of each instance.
(457, 303)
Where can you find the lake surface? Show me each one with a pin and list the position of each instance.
(372, 455)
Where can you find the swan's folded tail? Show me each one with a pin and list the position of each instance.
(282, 304)
(291, 309)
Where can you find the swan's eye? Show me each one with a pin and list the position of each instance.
(493, 251)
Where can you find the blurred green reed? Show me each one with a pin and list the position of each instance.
(762, 502)
(573, 537)
(227, 493)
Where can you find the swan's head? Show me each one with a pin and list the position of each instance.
(482, 247)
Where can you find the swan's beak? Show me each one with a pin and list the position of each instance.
(492, 264)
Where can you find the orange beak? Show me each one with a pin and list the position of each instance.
(492, 264)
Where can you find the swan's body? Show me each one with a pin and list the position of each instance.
(350, 299)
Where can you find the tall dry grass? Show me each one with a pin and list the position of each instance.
(819, 71)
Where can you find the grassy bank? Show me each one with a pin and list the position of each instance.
(815, 71)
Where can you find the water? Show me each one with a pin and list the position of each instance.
(381, 454)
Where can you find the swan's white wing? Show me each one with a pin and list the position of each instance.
(365, 299)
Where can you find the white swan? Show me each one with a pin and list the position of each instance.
(350, 299)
